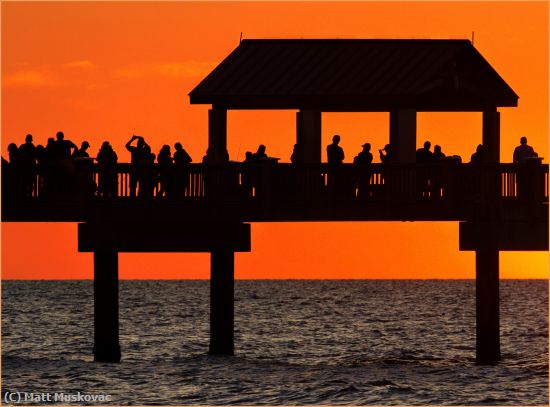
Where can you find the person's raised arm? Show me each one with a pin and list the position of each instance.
(128, 144)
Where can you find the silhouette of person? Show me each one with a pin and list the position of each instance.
(82, 151)
(181, 176)
(260, 153)
(524, 151)
(424, 155)
(335, 153)
(13, 154)
(63, 147)
(364, 156)
(147, 178)
(525, 175)
(107, 178)
(438, 154)
(386, 154)
(164, 160)
(363, 173)
(477, 157)
(137, 154)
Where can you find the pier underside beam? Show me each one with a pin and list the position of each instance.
(487, 307)
(222, 283)
(106, 341)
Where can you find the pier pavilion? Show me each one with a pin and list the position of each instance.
(401, 77)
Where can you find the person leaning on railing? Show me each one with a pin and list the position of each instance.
(525, 154)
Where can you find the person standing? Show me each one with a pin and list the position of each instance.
(138, 156)
(335, 153)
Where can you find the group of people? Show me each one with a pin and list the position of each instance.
(66, 168)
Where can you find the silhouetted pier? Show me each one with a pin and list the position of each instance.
(499, 206)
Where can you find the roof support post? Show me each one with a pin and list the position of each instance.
(403, 135)
(491, 136)
(217, 136)
(308, 135)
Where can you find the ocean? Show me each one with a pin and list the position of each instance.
(329, 342)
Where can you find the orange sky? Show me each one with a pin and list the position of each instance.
(102, 71)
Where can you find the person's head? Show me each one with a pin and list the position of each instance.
(479, 148)
(437, 148)
(50, 141)
(140, 142)
(523, 140)
(165, 149)
(12, 148)
(60, 136)
(336, 139)
(427, 145)
(248, 155)
(261, 149)
(366, 146)
(84, 146)
(178, 146)
(387, 148)
(28, 138)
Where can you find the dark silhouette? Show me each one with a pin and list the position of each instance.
(424, 155)
(363, 170)
(523, 152)
(13, 153)
(147, 177)
(138, 156)
(335, 153)
(386, 154)
(260, 154)
(438, 154)
(296, 156)
(165, 162)
(181, 170)
(62, 147)
(107, 177)
(477, 157)
(82, 151)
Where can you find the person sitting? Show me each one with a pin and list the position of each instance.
(523, 152)
(335, 153)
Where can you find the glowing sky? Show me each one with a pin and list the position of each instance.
(103, 71)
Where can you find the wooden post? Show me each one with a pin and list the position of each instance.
(222, 283)
(487, 307)
(106, 341)
(491, 136)
(308, 135)
(217, 136)
(403, 135)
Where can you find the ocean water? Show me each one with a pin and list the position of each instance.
(297, 342)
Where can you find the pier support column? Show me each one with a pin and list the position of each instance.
(403, 135)
(491, 136)
(308, 135)
(222, 284)
(106, 344)
(487, 307)
(217, 136)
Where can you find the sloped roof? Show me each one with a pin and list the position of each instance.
(354, 75)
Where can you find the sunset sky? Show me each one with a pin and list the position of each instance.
(103, 71)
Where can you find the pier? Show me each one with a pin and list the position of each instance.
(500, 207)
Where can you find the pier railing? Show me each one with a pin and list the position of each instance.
(268, 184)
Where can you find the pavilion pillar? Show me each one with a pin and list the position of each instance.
(106, 341)
(487, 307)
(217, 136)
(491, 136)
(403, 135)
(308, 135)
(222, 282)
